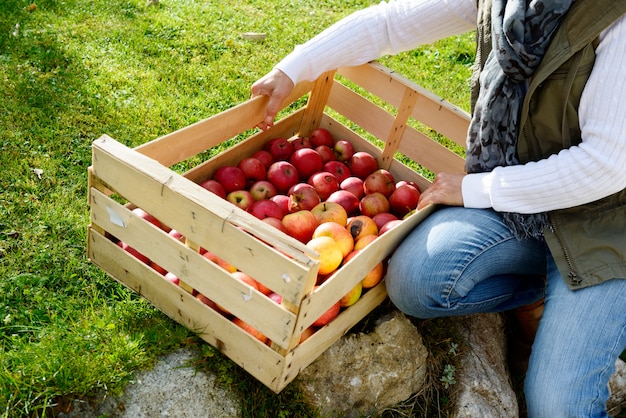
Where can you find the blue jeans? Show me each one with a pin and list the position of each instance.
(461, 261)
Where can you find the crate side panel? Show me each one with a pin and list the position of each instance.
(185, 206)
(206, 277)
(255, 357)
(430, 154)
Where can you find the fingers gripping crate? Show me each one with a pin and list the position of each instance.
(122, 178)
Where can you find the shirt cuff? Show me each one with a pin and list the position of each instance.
(294, 66)
(476, 190)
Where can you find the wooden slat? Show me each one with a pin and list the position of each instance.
(317, 102)
(399, 125)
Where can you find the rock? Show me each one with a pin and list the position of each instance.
(617, 387)
(362, 373)
(483, 387)
(173, 388)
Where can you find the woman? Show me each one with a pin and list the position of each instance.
(541, 211)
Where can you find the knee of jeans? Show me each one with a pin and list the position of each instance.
(414, 295)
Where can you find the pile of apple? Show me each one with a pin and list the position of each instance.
(318, 190)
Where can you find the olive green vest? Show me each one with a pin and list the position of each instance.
(588, 242)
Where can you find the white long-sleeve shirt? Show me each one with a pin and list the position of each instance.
(594, 169)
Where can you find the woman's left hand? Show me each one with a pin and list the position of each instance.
(445, 190)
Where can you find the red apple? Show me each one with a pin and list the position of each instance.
(382, 218)
(250, 330)
(404, 199)
(282, 175)
(147, 217)
(362, 164)
(374, 203)
(354, 185)
(176, 235)
(327, 316)
(300, 225)
(303, 198)
(171, 277)
(275, 297)
(321, 136)
(325, 183)
(380, 181)
(241, 198)
(253, 169)
(158, 268)
(307, 161)
(280, 148)
(346, 199)
(134, 252)
(283, 202)
(300, 142)
(330, 212)
(263, 189)
(219, 261)
(338, 169)
(231, 178)
(214, 187)
(386, 227)
(343, 150)
(265, 157)
(410, 183)
(208, 302)
(326, 152)
(276, 223)
(266, 208)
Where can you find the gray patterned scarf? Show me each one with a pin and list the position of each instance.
(521, 33)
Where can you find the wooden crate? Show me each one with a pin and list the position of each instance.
(122, 178)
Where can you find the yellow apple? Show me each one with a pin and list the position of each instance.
(364, 241)
(362, 225)
(339, 233)
(330, 212)
(374, 277)
(352, 296)
(329, 251)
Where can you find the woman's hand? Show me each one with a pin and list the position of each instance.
(445, 190)
(277, 86)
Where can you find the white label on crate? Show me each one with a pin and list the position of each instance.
(116, 218)
(248, 296)
(286, 278)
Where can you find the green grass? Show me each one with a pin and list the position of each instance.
(76, 69)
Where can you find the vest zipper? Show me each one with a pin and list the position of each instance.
(573, 277)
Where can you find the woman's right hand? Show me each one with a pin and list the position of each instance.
(277, 86)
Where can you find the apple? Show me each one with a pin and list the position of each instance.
(300, 225)
(352, 296)
(321, 136)
(307, 161)
(265, 157)
(276, 223)
(325, 183)
(176, 235)
(362, 225)
(362, 164)
(343, 150)
(327, 153)
(330, 212)
(300, 142)
(330, 254)
(262, 189)
(380, 181)
(283, 202)
(409, 182)
(250, 329)
(354, 185)
(404, 199)
(172, 278)
(303, 198)
(283, 175)
(374, 203)
(219, 261)
(266, 208)
(330, 314)
(374, 276)
(158, 268)
(338, 169)
(208, 302)
(364, 241)
(230, 177)
(214, 187)
(246, 278)
(253, 169)
(386, 227)
(275, 297)
(279, 148)
(382, 218)
(347, 200)
(133, 252)
(147, 217)
(339, 233)
(241, 198)
(307, 333)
